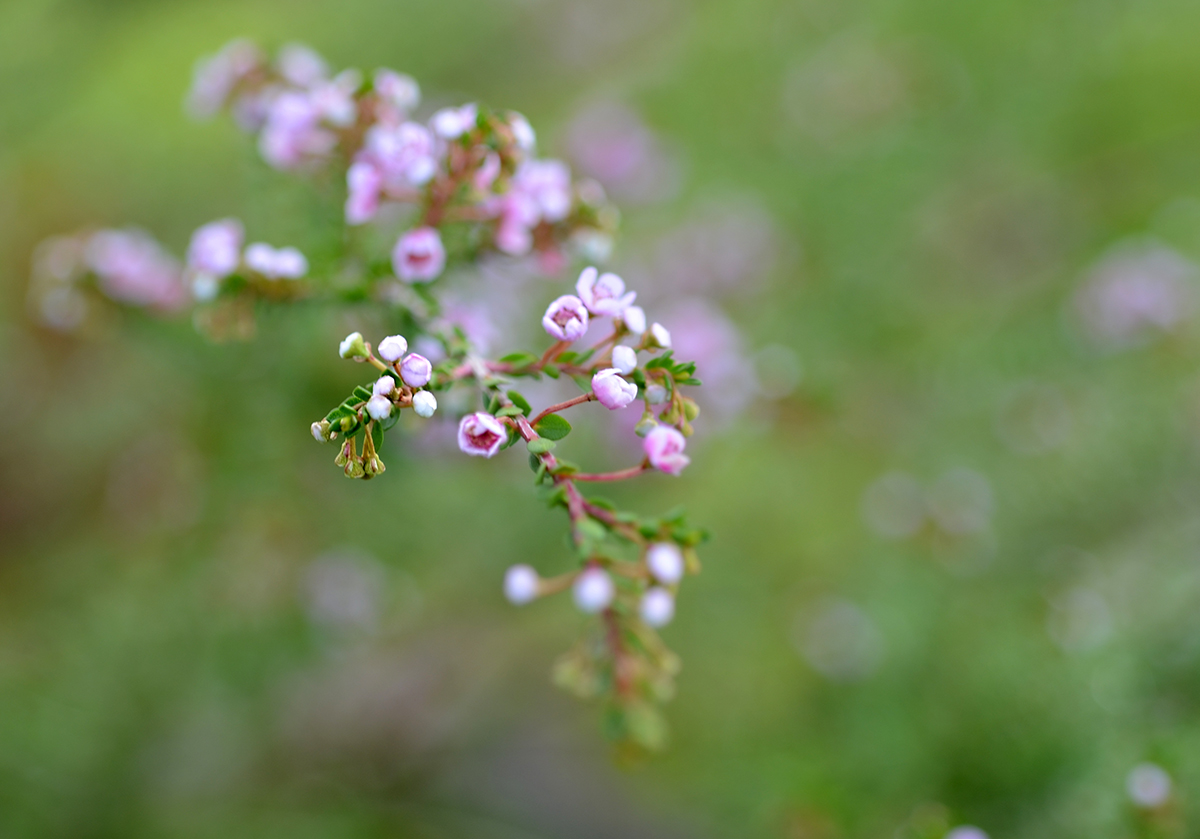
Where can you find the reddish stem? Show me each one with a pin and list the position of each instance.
(621, 475)
(562, 406)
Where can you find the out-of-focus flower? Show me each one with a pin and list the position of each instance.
(611, 390)
(609, 142)
(364, 183)
(275, 263)
(215, 248)
(452, 123)
(404, 154)
(966, 831)
(522, 131)
(624, 359)
(133, 268)
(894, 506)
(657, 607)
(1136, 290)
(419, 255)
(839, 640)
(424, 404)
(481, 434)
(292, 134)
(635, 319)
(301, 65)
(593, 590)
(659, 336)
(215, 78)
(566, 318)
(416, 370)
(665, 562)
(547, 183)
(604, 294)
(401, 92)
(664, 448)
(334, 99)
(960, 501)
(1148, 785)
(520, 584)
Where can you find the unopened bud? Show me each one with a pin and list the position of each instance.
(345, 454)
(520, 584)
(594, 590)
(665, 561)
(624, 359)
(384, 385)
(392, 348)
(353, 346)
(657, 607)
(379, 407)
(320, 431)
(656, 394)
(424, 403)
(660, 337)
(645, 425)
(690, 409)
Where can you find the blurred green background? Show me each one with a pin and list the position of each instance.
(955, 572)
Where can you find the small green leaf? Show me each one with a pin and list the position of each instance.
(519, 359)
(521, 402)
(552, 427)
(362, 393)
(567, 357)
(551, 371)
(540, 445)
(510, 411)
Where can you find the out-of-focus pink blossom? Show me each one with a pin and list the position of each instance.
(481, 434)
(664, 448)
(487, 172)
(518, 215)
(522, 131)
(548, 184)
(603, 294)
(452, 123)
(215, 78)
(293, 134)
(1135, 290)
(215, 248)
(133, 268)
(398, 92)
(701, 332)
(275, 263)
(609, 142)
(566, 318)
(334, 100)
(363, 185)
(404, 154)
(635, 319)
(301, 65)
(611, 390)
(419, 256)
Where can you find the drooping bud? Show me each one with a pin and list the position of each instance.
(657, 607)
(520, 584)
(379, 407)
(624, 359)
(646, 424)
(353, 346)
(664, 447)
(656, 394)
(424, 403)
(665, 561)
(611, 390)
(321, 431)
(593, 590)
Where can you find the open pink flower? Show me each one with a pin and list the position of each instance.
(481, 434)
(566, 318)
(603, 294)
(664, 447)
(611, 390)
(419, 256)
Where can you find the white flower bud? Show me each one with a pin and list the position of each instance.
(635, 319)
(1148, 785)
(317, 433)
(657, 607)
(656, 394)
(393, 348)
(379, 407)
(624, 359)
(660, 336)
(352, 346)
(384, 385)
(665, 561)
(593, 590)
(520, 583)
(424, 403)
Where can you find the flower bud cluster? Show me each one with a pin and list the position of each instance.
(216, 253)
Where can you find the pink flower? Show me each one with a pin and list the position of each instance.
(215, 78)
(216, 247)
(603, 294)
(611, 390)
(635, 319)
(364, 182)
(548, 184)
(419, 255)
(397, 90)
(518, 216)
(566, 318)
(487, 172)
(416, 370)
(593, 590)
(404, 154)
(481, 434)
(334, 100)
(664, 448)
(133, 268)
(292, 135)
(301, 65)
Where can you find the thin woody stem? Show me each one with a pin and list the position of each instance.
(562, 406)
(556, 349)
(621, 475)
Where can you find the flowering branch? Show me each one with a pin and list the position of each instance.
(474, 187)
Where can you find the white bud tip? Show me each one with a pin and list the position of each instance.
(624, 359)
(424, 403)
(520, 584)
(379, 407)
(661, 336)
(657, 607)
(349, 344)
(392, 348)
(316, 432)
(593, 590)
(665, 561)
